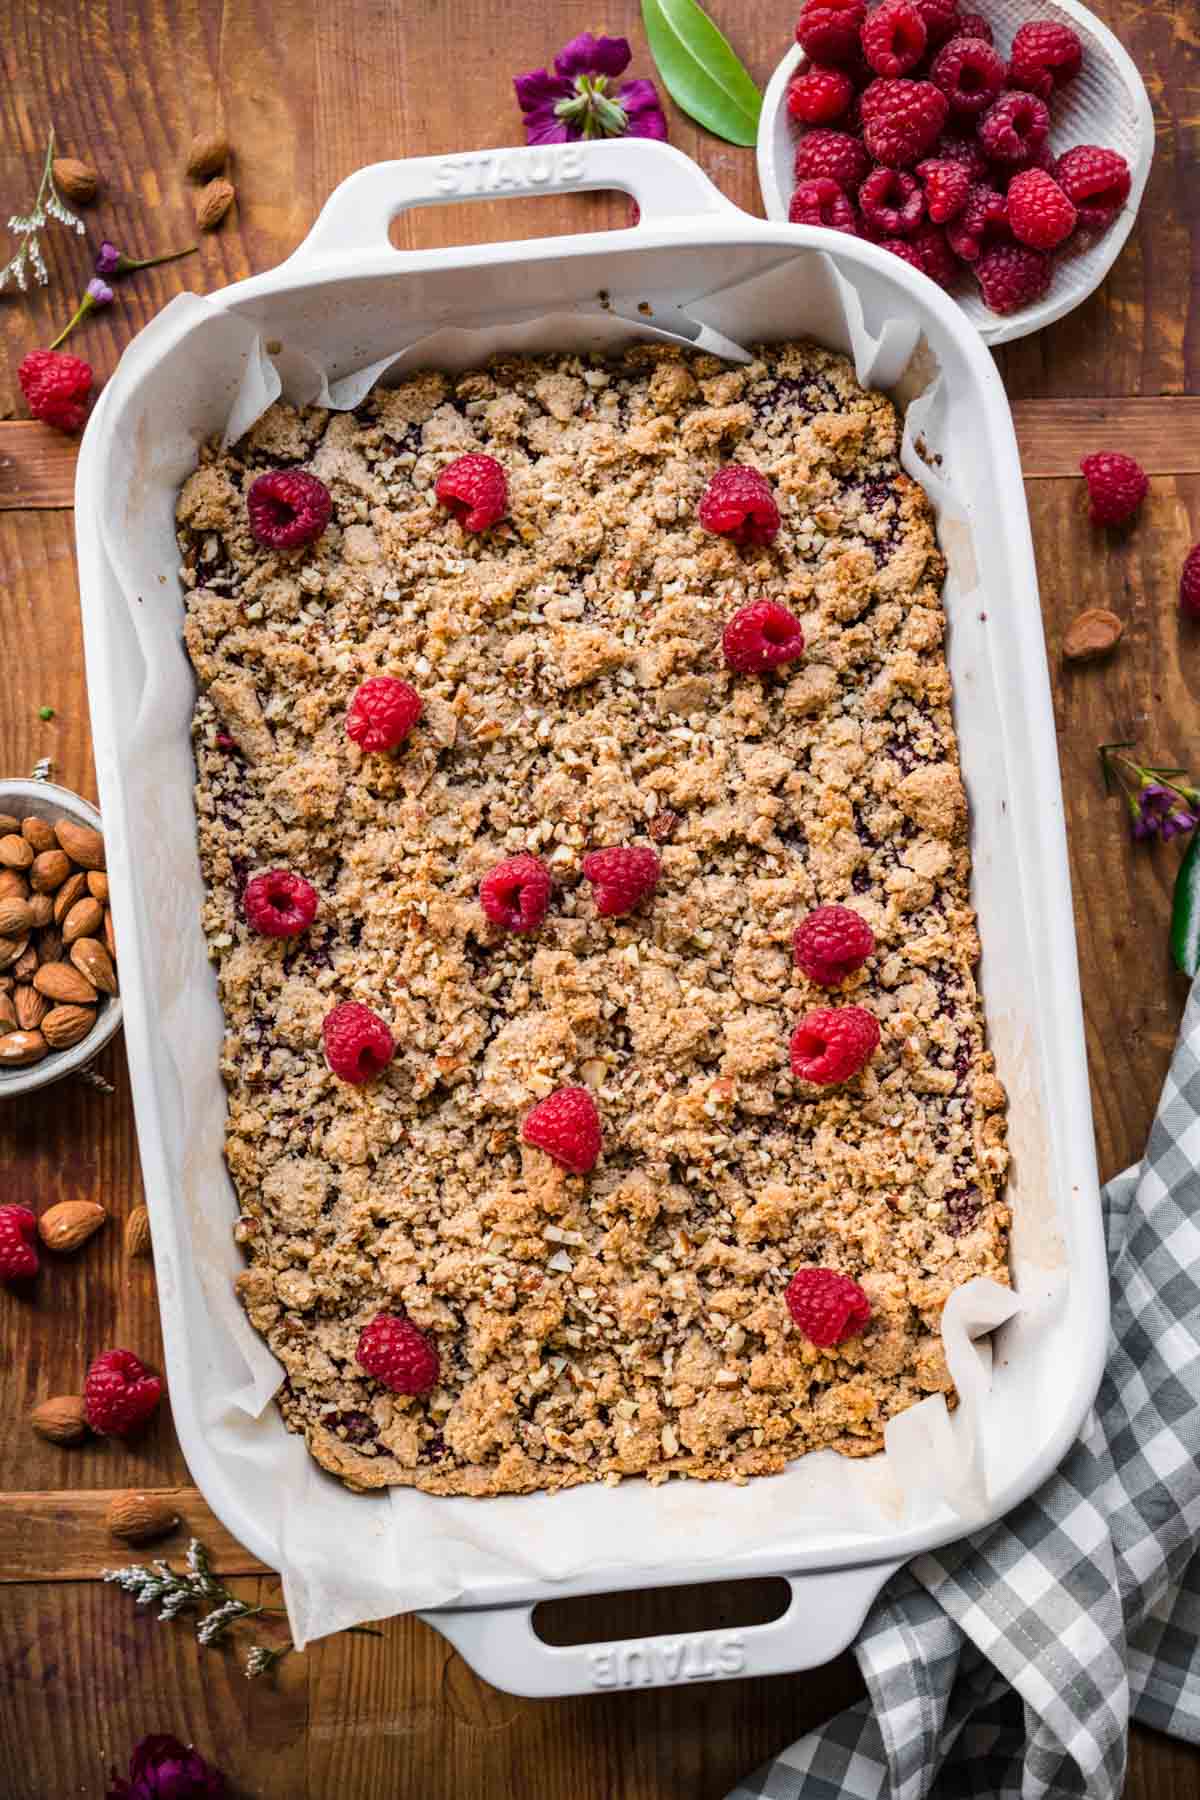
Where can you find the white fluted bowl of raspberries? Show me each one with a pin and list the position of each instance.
(1002, 147)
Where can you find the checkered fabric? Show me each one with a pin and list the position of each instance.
(1008, 1665)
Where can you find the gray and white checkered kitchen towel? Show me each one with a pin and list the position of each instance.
(1007, 1666)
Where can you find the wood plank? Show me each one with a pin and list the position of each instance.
(60, 1535)
(1162, 432)
(37, 466)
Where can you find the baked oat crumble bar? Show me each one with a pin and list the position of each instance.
(631, 1321)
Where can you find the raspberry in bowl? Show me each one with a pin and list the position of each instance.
(1010, 59)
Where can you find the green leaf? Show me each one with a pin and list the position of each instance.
(1185, 911)
(700, 71)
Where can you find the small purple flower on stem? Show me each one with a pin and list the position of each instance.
(1159, 806)
(1157, 812)
(97, 294)
(579, 101)
(111, 261)
(161, 1768)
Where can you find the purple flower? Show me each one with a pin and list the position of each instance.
(1157, 812)
(161, 1768)
(111, 261)
(101, 293)
(108, 259)
(578, 100)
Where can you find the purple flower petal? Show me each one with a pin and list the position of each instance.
(108, 259)
(643, 109)
(588, 55)
(538, 88)
(100, 292)
(541, 127)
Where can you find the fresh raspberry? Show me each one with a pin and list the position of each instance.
(946, 187)
(1038, 211)
(941, 19)
(18, 1243)
(1014, 128)
(566, 1126)
(970, 74)
(288, 508)
(396, 1353)
(1096, 182)
(382, 713)
(475, 489)
(982, 221)
(738, 503)
(822, 202)
(358, 1045)
(762, 636)
(833, 1043)
(1116, 486)
(56, 388)
(621, 877)
(279, 904)
(832, 155)
(831, 943)
(968, 151)
(891, 202)
(901, 119)
(516, 893)
(1045, 55)
(1189, 583)
(119, 1393)
(821, 94)
(905, 250)
(1011, 276)
(894, 38)
(972, 25)
(935, 256)
(827, 1306)
(827, 30)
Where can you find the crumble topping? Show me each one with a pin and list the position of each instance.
(631, 1321)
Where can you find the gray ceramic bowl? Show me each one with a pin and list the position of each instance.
(45, 801)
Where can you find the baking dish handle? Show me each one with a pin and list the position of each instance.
(823, 1617)
(665, 183)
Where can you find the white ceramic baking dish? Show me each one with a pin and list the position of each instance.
(335, 313)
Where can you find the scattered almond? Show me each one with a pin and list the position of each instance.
(15, 917)
(30, 1007)
(8, 1014)
(137, 1232)
(138, 1518)
(62, 1419)
(15, 853)
(11, 949)
(13, 882)
(75, 179)
(1092, 633)
(110, 936)
(72, 889)
(38, 832)
(26, 963)
(70, 1223)
(64, 1026)
(94, 963)
(50, 869)
(213, 202)
(97, 883)
(20, 1048)
(207, 154)
(41, 910)
(8, 824)
(64, 985)
(83, 845)
(83, 920)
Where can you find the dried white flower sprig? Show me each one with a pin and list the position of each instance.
(48, 204)
(173, 1592)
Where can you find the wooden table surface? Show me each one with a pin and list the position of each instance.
(308, 92)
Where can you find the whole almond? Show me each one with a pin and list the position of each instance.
(11, 949)
(30, 1007)
(39, 833)
(1092, 633)
(83, 920)
(15, 853)
(26, 963)
(139, 1518)
(64, 985)
(70, 1223)
(72, 889)
(207, 154)
(64, 1026)
(15, 917)
(83, 845)
(49, 944)
(12, 882)
(97, 883)
(8, 1014)
(110, 936)
(50, 869)
(41, 910)
(94, 964)
(213, 202)
(62, 1419)
(137, 1232)
(75, 179)
(8, 824)
(19, 1048)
